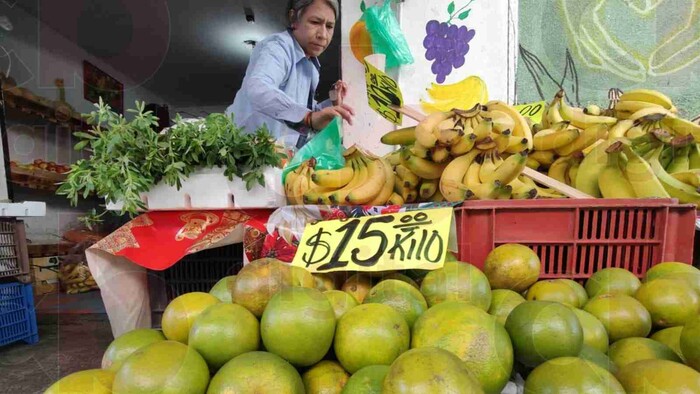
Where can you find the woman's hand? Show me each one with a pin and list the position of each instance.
(321, 119)
(338, 93)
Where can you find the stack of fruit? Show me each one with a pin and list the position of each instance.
(274, 328)
(452, 156)
(638, 149)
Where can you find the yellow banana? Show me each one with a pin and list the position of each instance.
(451, 180)
(682, 127)
(690, 177)
(521, 128)
(483, 130)
(411, 196)
(303, 184)
(289, 188)
(553, 115)
(635, 132)
(649, 96)
(488, 166)
(504, 192)
(370, 188)
(464, 145)
(423, 168)
(612, 180)
(509, 169)
(694, 156)
(408, 178)
(395, 199)
(437, 197)
(486, 144)
(404, 136)
(425, 130)
(439, 154)
(393, 158)
(333, 178)
(681, 160)
(501, 120)
(387, 188)
(419, 150)
(551, 139)
(625, 109)
(532, 163)
(641, 175)
(577, 118)
(428, 188)
(587, 137)
(573, 170)
(685, 194)
(449, 137)
(590, 168)
(651, 111)
(501, 140)
(544, 157)
(545, 192)
(487, 191)
(361, 174)
(521, 190)
(620, 129)
(592, 109)
(559, 169)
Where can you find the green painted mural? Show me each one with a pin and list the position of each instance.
(590, 46)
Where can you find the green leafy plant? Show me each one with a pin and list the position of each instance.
(129, 157)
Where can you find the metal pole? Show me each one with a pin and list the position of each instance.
(5, 147)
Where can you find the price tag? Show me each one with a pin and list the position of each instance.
(407, 240)
(382, 91)
(533, 111)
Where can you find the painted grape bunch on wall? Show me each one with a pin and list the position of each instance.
(446, 44)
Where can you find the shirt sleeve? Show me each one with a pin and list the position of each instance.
(263, 81)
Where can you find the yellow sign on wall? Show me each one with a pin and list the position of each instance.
(406, 240)
(533, 111)
(383, 91)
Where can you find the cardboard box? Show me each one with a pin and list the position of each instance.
(44, 272)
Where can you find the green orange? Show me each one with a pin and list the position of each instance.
(571, 375)
(670, 337)
(594, 334)
(503, 301)
(622, 316)
(659, 376)
(690, 343)
(628, 350)
(340, 301)
(670, 302)
(401, 296)
(221, 289)
(512, 266)
(257, 372)
(181, 312)
(457, 281)
(555, 291)
(127, 343)
(370, 334)
(91, 381)
(326, 377)
(367, 380)
(258, 281)
(612, 281)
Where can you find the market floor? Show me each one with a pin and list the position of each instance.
(67, 343)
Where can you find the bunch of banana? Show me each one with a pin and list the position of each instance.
(365, 180)
(485, 175)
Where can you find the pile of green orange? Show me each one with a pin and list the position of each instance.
(274, 328)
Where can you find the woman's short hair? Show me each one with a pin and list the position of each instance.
(297, 8)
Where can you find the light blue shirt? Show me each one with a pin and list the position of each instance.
(276, 88)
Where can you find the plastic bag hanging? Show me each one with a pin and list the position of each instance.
(386, 34)
(326, 147)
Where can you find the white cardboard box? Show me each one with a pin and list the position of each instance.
(210, 189)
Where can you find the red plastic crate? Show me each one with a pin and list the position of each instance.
(575, 238)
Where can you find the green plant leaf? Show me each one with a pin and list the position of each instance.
(451, 8)
(464, 14)
(363, 6)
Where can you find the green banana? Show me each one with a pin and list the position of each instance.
(675, 188)
(642, 176)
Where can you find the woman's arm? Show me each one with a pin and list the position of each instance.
(271, 66)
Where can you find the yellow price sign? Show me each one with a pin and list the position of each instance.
(382, 92)
(533, 111)
(397, 241)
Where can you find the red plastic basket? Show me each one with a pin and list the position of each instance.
(575, 238)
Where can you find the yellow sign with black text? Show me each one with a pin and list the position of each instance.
(397, 241)
(382, 92)
(534, 111)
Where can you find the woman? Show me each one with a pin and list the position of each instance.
(283, 73)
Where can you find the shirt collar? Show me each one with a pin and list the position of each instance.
(299, 52)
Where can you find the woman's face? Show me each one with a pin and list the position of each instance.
(314, 29)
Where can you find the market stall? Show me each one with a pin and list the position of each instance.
(485, 247)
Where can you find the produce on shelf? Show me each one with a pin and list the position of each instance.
(452, 156)
(562, 343)
(640, 148)
(40, 164)
(128, 157)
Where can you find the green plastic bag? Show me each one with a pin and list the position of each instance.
(387, 37)
(326, 147)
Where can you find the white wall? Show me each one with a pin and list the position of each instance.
(492, 56)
